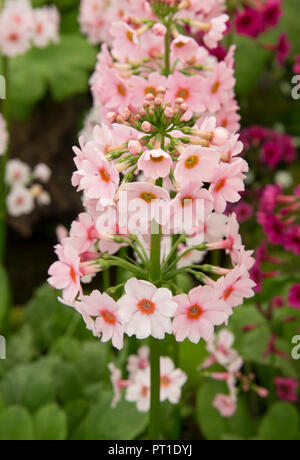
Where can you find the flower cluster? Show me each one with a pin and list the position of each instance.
(272, 147)
(257, 19)
(26, 187)
(192, 73)
(137, 384)
(278, 214)
(3, 136)
(222, 353)
(22, 27)
(156, 176)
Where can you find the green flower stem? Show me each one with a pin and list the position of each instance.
(154, 275)
(4, 160)
(167, 51)
(202, 247)
(106, 280)
(113, 261)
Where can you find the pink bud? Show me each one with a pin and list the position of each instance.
(134, 147)
(147, 127)
(159, 29)
(262, 392)
(112, 116)
(169, 112)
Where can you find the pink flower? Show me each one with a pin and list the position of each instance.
(16, 27)
(155, 163)
(42, 172)
(294, 296)
(220, 347)
(112, 91)
(146, 310)
(84, 230)
(108, 323)
(184, 48)
(218, 27)
(171, 381)
(117, 383)
(144, 86)
(139, 390)
(196, 164)
(100, 178)
(271, 154)
(225, 405)
(17, 173)
(139, 362)
(283, 49)
(46, 26)
(65, 274)
(190, 89)
(193, 205)
(218, 87)
(125, 42)
(235, 287)
(149, 199)
(287, 389)
(198, 313)
(227, 182)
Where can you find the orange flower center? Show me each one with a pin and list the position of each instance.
(147, 196)
(220, 184)
(108, 317)
(144, 391)
(215, 87)
(157, 159)
(180, 44)
(121, 89)
(165, 381)
(183, 93)
(191, 162)
(104, 175)
(73, 274)
(228, 292)
(151, 90)
(130, 36)
(194, 312)
(186, 201)
(13, 37)
(146, 306)
(39, 28)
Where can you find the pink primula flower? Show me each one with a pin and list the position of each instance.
(196, 164)
(198, 313)
(155, 163)
(146, 310)
(65, 274)
(235, 287)
(108, 323)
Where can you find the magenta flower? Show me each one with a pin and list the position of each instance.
(292, 240)
(296, 67)
(294, 297)
(271, 13)
(286, 389)
(249, 22)
(283, 49)
(271, 154)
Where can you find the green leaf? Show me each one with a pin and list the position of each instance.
(50, 424)
(68, 383)
(16, 425)
(64, 69)
(29, 385)
(4, 296)
(250, 63)
(102, 422)
(49, 318)
(211, 423)
(280, 424)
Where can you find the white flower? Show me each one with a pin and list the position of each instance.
(17, 173)
(19, 201)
